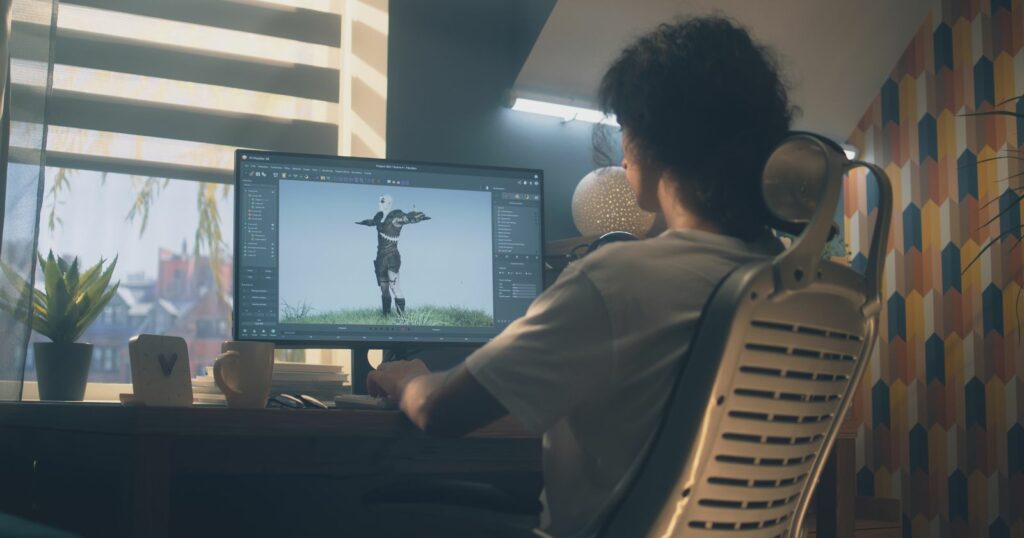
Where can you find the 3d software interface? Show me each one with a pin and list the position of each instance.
(349, 250)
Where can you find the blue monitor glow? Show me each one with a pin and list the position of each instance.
(344, 252)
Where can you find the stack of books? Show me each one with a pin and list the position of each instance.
(204, 390)
(322, 381)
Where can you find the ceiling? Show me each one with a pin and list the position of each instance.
(835, 54)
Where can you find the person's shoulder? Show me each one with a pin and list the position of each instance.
(652, 256)
(623, 256)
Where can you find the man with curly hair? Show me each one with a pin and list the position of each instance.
(592, 363)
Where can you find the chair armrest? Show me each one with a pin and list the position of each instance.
(453, 492)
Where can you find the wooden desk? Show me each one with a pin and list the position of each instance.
(838, 511)
(148, 447)
(836, 491)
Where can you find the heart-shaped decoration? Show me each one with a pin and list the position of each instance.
(167, 363)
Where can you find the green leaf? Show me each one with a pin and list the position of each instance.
(72, 299)
(991, 243)
(996, 158)
(1009, 177)
(20, 285)
(13, 276)
(16, 297)
(39, 311)
(96, 287)
(39, 301)
(208, 237)
(994, 113)
(51, 274)
(60, 303)
(84, 304)
(96, 308)
(1010, 100)
(60, 184)
(147, 191)
(90, 274)
(71, 278)
(1011, 207)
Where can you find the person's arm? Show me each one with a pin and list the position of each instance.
(374, 221)
(559, 355)
(411, 217)
(447, 404)
(416, 216)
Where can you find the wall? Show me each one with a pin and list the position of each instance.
(940, 409)
(450, 62)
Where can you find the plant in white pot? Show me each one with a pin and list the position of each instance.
(68, 303)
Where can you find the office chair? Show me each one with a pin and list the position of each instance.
(781, 347)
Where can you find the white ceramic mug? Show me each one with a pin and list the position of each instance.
(244, 372)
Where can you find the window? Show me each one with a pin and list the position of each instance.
(109, 355)
(100, 360)
(211, 328)
(150, 100)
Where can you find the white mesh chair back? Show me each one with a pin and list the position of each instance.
(759, 400)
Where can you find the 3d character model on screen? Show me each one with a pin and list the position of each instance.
(389, 262)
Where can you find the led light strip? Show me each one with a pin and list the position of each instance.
(575, 113)
(565, 112)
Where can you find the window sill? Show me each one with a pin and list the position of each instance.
(94, 392)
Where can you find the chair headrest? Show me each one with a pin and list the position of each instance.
(801, 184)
(796, 175)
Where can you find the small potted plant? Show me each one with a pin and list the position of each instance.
(68, 303)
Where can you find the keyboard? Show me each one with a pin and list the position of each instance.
(362, 401)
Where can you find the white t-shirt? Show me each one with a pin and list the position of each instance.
(591, 363)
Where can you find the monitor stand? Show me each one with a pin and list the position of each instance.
(360, 369)
(436, 360)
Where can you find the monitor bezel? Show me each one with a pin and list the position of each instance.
(360, 343)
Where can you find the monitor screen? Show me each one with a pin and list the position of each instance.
(339, 252)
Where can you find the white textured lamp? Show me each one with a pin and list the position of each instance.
(603, 202)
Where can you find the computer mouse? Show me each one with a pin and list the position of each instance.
(387, 403)
(312, 402)
(287, 400)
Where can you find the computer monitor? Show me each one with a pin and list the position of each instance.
(352, 252)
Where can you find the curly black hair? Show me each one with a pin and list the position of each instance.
(701, 99)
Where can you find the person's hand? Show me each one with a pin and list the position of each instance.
(390, 378)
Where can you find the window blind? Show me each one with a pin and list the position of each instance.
(169, 88)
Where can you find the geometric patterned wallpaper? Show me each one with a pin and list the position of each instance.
(940, 409)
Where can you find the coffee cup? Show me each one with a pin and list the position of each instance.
(244, 372)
